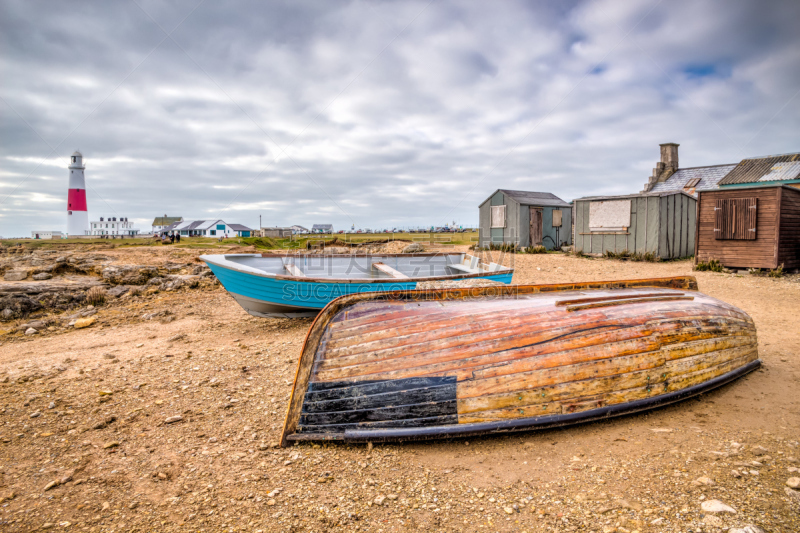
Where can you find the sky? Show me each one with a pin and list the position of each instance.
(377, 114)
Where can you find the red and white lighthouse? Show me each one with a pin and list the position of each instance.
(77, 215)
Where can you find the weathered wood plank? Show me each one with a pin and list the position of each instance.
(573, 308)
(294, 270)
(386, 269)
(510, 412)
(562, 374)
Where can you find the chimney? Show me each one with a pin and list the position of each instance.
(669, 155)
(664, 168)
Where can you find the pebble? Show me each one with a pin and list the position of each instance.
(31, 331)
(716, 506)
(380, 499)
(759, 450)
(112, 444)
(713, 521)
(36, 414)
(703, 480)
(173, 419)
(52, 405)
(52, 484)
(746, 529)
(84, 322)
(793, 482)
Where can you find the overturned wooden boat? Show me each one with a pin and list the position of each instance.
(271, 285)
(438, 363)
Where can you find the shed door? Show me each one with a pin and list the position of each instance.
(536, 226)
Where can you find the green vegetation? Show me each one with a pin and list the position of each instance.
(776, 273)
(536, 250)
(711, 266)
(627, 255)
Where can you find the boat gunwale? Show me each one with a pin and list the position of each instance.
(320, 324)
(231, 265)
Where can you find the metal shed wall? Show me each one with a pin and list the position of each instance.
(663, 225)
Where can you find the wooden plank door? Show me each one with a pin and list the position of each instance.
(536, 227)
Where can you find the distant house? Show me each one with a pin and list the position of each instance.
(276, 232)
(202, 228)
(47, 235)
(668, 177)
(113, 226)
(322, 228)
(241, 231)
(161, 223)
(299, 229)
(525, 218)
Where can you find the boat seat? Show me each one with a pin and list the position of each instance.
(294, 271)
(464, 268)
(386, 269)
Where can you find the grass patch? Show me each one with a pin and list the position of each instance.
(711, 266)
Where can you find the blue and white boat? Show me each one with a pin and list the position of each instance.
(271, 285)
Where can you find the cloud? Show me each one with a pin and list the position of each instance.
(377, 113)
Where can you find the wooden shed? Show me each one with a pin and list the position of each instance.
(750, 227)
(659, 223)
(525, 218)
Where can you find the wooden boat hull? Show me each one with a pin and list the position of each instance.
(439, 363)
(275, 293)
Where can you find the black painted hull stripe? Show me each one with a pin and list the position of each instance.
(542, 422)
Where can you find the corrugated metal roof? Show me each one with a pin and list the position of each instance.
(321, 227)
(752, 170)
(783, 171)
(535, 198)
(709, 178)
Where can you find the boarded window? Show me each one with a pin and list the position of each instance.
(610, 215)
(735, 218)
(498, 216)
(556, 218)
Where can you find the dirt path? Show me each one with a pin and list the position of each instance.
(88, 441)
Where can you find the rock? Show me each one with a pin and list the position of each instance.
(746, 529)
(173, 419)
(42, 276)
(15, 275)
(112, 444)
(52, 484)
(792, 493)
(716, 506)
(713, 521)
(703, 480)
(736, 474)
(271, 502)
(508, 510)
(36, 414)
(414, 247)
(379, 499)
(105, 392)
(52, 405)
(657, 522)
(116, 292)
(793, 482)
(31, 331)
(759, 450)
(85, 322)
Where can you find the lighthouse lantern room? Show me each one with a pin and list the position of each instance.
(77, 215)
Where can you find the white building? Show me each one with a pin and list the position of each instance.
(47, 235)
(113, 226)
(203, 228)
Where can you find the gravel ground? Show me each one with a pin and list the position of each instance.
(162, 416)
